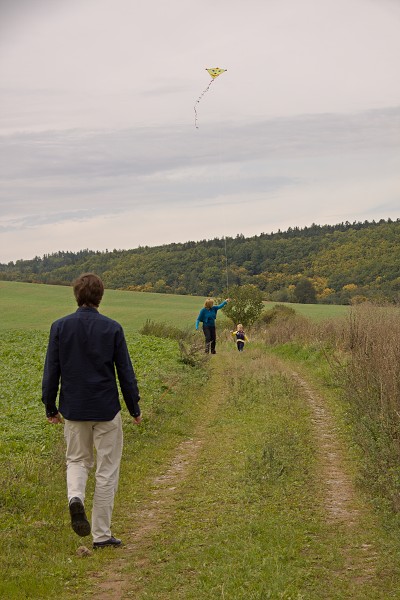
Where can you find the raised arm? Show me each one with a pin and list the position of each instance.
(222, 304)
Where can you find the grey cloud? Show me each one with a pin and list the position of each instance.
(29, 221)
(14, 13)
(143, 151)
(99, 172)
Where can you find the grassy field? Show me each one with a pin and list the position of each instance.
(243, 519)
(38, 558)
(318, 312)
(240, 516)
(33, 306)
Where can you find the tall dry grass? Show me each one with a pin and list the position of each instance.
(373, 345)
(363, 351)
(371, 377)
(287, 329)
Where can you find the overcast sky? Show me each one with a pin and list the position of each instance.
(98, 144)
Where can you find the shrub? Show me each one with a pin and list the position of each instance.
(246, 304)
(277, 312)
(164, 330)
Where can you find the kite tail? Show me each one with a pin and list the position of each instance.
(198, 100)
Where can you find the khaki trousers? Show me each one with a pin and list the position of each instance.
(106, 437)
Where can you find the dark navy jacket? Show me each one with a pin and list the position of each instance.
(84, 351)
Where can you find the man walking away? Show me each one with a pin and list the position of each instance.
(84, 351)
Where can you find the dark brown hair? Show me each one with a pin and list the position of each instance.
(88, 289)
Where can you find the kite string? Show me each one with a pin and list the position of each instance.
(227, 272)
(198, 100)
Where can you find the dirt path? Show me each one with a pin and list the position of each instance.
(339, 498)
(342, 504)
(113, 584)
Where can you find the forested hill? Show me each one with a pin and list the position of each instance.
(345, 263)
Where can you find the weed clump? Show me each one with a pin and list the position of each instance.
(191, 349)
(192, 353)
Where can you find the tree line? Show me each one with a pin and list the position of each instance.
(338, 264)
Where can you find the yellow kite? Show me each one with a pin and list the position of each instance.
(215, 72)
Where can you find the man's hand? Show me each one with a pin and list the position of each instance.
(137, 420)
(56, 420)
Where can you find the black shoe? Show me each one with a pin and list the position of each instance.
(79, 521)
(112, 541)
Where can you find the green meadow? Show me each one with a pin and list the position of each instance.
(35, 306)
(222, 494)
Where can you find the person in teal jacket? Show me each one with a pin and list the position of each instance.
(207, 316)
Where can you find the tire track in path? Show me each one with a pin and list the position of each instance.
(339, 496)
(114, 583)
(341, 502)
